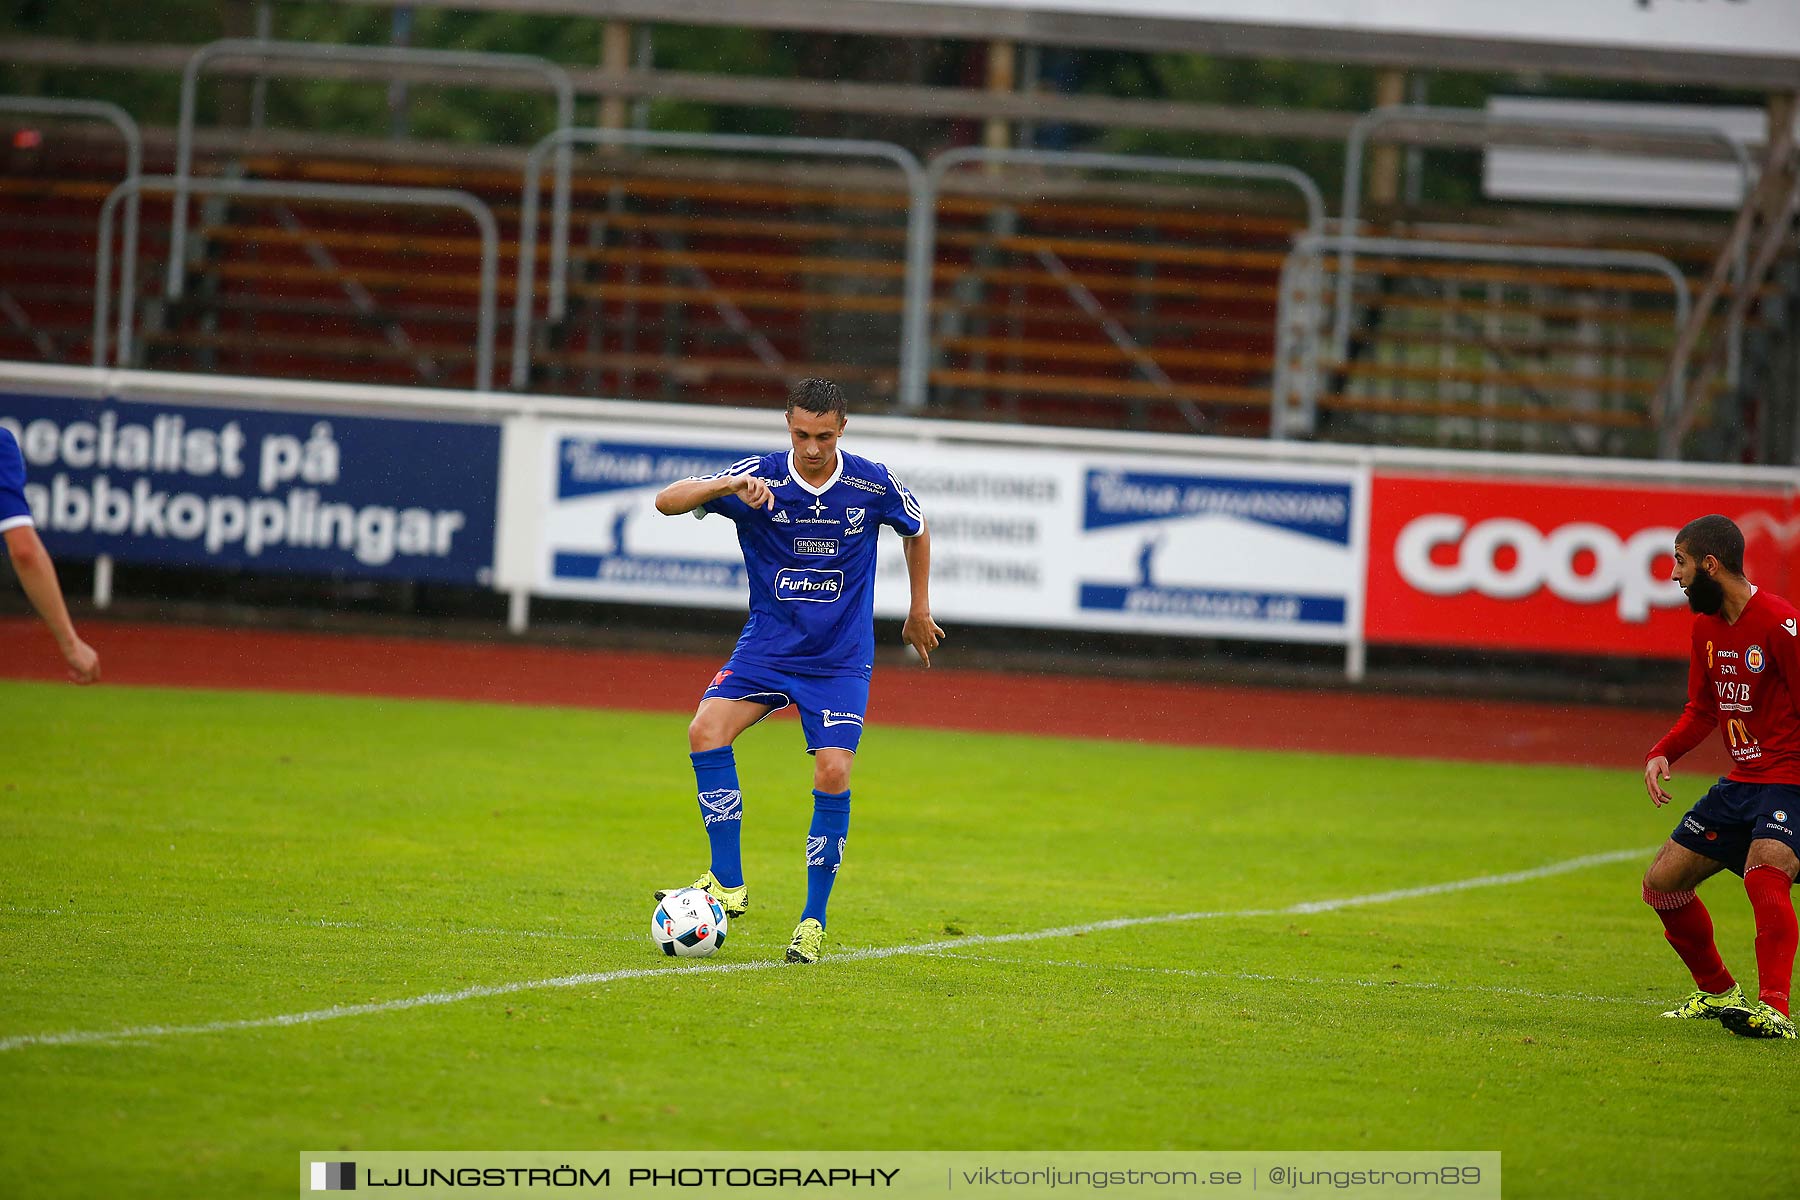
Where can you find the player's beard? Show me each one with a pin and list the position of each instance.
(1705, 595)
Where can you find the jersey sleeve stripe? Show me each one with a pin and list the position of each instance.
(18, 522)
(742, 466)
(907, 501)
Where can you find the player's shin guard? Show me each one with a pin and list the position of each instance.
(1776, 933)
(825, 849)
(1688, 926)
(722, 811)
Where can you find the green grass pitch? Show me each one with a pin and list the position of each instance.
(181, 859)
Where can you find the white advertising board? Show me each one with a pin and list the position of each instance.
(1637, 180)
(1020, 536)
(1756, 27)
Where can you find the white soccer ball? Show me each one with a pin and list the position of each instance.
(688, 924)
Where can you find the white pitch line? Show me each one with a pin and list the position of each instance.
(480, 991)
(1307, 980)
(361, 926)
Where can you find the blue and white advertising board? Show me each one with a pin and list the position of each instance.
(1019, 536)
(602, 536)
(1221, 548)
(315, 493)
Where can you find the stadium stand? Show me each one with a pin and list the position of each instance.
(1078, 301)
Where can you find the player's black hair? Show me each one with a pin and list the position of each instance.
(819, 396)
(1717, 536)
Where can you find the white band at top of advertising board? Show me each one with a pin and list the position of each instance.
(1752, 27)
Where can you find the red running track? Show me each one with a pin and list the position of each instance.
(941, 698)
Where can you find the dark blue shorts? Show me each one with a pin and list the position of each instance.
(831, 706)
(1732, 815)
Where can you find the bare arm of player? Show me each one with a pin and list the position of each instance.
(1655, 771)
(37, 575)
(685, 495)
(1696, 721)
(920, 631)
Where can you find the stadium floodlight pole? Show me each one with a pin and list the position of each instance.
(134, 161)
(912, 325)
(919, 275)
(339, 193)
(1556, 256)
(385, 61)
(1356, 144)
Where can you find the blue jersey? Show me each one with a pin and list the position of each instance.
(14, 512)
(811, 562)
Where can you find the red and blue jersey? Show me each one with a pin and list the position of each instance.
(811, 561)
(1744, 678)
(14, 512)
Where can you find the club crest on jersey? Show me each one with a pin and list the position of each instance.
(1753, 660)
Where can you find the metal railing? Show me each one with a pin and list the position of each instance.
(278, 190)
(389, 59)
(121, 120)
(1300, 310)
(1355, 145)
(912, 322)
(1296, 375)
(919, 268)
(1767, 213)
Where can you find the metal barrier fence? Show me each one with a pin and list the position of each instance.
(919, 279)
(336, 192)
(1349, 217)
(912, 319)
(134, 158)
(385, 58)
(1294, 406)
(1296, 368)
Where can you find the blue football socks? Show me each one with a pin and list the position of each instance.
(825, 849)
(722, 811)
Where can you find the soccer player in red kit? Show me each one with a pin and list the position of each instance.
(1744, 677)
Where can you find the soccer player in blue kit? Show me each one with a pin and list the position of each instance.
(807, 520)
(31, 563)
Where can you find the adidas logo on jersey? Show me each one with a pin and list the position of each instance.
(780, 518)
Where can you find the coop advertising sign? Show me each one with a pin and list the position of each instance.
(1758, 27)
(1540, 566)
(190, 485)
(1019, 536)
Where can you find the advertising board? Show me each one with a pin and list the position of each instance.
(1020, 536)
(1551, 566)
(193, 485)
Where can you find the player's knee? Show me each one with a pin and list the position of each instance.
(1663, 899)
(831, 775)
(1767, 852)
(704, 734)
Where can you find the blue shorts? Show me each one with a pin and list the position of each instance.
(831, 706)
(1732, 815)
